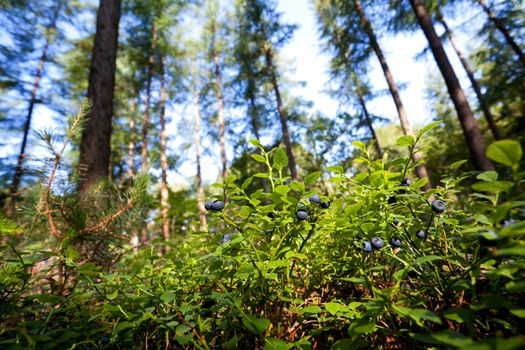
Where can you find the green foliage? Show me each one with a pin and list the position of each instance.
(261, 278)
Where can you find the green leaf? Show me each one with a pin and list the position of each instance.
(310, 179)
(489, 176)
(256, 143)
(297, 186)
(459, 315)
(507, 152)
(246, 183)
(427, 258)
(417, 314)
(258, 158)
(457, 164)
(518, 312)
(452, 338)
(336, 169)
(167, 297)
(262, 175)
(311, 309)
(280, 159)
(343, 344)
(496, 186)
(359, 145)
(406, 140)
(282, 189)
(427, 128)
(230, 179)
(255, 325)
(333, 307)
(276, 344)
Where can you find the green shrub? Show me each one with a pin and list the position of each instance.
(263, 276)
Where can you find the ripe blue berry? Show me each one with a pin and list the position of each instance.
(392, 199)
(366, 246)
(438, 206)
(208, 205)
(226, 238)
(421, 234)
(105, 340)
(325, 205)
(272, 215)
(315, 199)
(377, 243)
(406, 182)
(301, 215)
(396, 242)
(217, 205)
(396, 221)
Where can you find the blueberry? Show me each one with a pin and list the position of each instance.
(396, 242)
(217, 205)
(406, 182)
(208, 205)
(396, 221)
(315, 199)
(392, 199)
(272, 215)
(301, 208)
(325, 205)
(226, 238)
(366, 246)
(438, 206)
(301, 215)
(421, 234)
(377, 243)
(105, 340)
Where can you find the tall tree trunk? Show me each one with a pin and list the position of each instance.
(469, 124)
(421, 170)
(163, 158)
(200, 190)
(220, 106)
(27, 125)
(501, 27)
(470, 73)
(145, 119)
(282, 113)
(95, 144)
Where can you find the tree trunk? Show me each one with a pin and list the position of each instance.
(200, 190)
(27, 125)
(95, 144)
(481, 99)
(469, 124)
(163, 159)
(501, 27)
(145, 120)
(421, 170)
(220, 106)
(282, 113)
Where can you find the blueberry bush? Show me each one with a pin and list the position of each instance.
(375, 263)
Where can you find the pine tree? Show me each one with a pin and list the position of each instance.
(469, 124)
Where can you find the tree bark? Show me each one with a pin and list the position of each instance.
(501, 27)
(145, 120)
(282, 113)
(95, 144)
(421, 170)
(27, 125)
(470, 73)
(469, 124)
(131, 143)
(164, 193)
(200, 190)
(220, 106)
